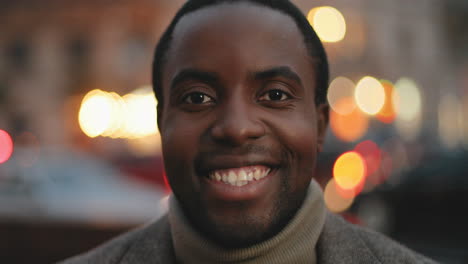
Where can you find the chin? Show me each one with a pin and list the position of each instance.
(241, 228)
(242, 231)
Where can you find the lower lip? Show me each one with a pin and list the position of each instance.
(223, 191)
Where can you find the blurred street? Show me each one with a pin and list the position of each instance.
(80, 153)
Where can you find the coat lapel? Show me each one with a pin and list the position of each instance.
(339, 243)
(154, 246)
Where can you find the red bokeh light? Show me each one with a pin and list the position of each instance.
(371, 154)
(384, 171)
(6, 146)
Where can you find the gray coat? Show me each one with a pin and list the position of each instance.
(339, 242)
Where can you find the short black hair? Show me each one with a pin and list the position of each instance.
(311, 40)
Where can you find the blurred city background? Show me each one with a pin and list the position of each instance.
(80, 156)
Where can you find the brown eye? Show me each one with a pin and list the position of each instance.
(274, 95)
(197, 98)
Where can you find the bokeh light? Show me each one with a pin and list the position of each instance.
(334, 201)
(145, 146)
(409, 130)
(6, 146)
(116, 122)
(141, 113)
(328, 22)
(95, 113)
(349, 170)
(387, 113)
(450, 114)
(340, 87)
(348, 127)
(369, 95)
(465, 123)
(108, 114)
(406, 99)
(381, 174)
(407, 103)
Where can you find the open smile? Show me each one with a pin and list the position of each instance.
(240, 176)
(245, 183)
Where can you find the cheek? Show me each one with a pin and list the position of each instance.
(298, 138)
(298, 132)
(179, 145)
(179, 135)
(303, 143)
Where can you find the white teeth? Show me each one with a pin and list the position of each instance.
(232, 177)
(257, 174)
(249, 176)
(240, 177)
(241, 183)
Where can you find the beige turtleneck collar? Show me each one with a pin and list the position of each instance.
(294, 244)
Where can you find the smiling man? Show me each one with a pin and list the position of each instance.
(239, 123)
(242, 113)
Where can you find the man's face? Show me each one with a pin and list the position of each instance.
(239, 126)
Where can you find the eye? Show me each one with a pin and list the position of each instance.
(197, 98)
(274, 95)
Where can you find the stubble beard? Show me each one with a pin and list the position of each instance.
(244, 229)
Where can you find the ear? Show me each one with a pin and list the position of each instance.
(322, 124)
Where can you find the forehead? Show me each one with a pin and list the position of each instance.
(234, 18)
(230, 34)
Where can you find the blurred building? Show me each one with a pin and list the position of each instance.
(395, 39)
(54, 50)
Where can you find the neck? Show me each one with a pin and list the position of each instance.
(298, 236)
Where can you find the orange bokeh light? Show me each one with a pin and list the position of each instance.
(352, 192)
(387, 113)
(6, 146)
(349, 171)
(334, 199)
(349, 127)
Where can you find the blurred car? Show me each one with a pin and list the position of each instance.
(426, 209)
(65, 202)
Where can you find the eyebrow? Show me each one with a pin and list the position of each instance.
(193, 74)
(213, 78)
(281, 71)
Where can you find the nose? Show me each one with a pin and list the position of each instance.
(236, 124)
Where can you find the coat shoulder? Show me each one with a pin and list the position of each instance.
(117, 249)
(341, 240)
(388, 250)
